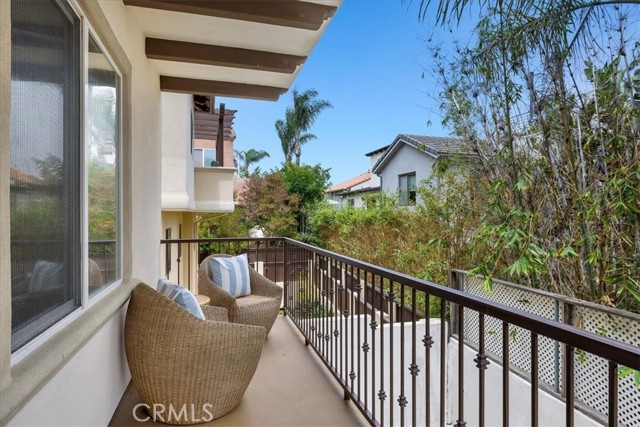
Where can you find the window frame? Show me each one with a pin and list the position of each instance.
(202, 164)
(405, 192)
(86, 302)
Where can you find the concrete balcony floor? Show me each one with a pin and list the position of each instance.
(291, 387)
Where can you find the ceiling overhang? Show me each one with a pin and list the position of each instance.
(242, 48)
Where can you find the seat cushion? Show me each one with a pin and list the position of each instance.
(180, 295)
(252, 300)
(231, 274)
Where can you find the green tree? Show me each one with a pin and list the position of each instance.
(268, 205)
(308, 184)
(293, 131)
(286, 133)
(244, 159)
(558, 157)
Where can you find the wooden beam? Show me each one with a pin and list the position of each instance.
(196, 53)
(286, 13)
(236, 90)
(220, 137)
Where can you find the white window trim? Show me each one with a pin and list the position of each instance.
(85, 301)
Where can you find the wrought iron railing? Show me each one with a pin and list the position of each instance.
(367, 325)
(590, 371)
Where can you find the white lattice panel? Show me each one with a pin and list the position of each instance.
(520, 339)
(591, 372)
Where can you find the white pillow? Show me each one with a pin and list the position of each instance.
(231, 274)
(181, 296)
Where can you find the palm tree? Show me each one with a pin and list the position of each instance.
(286, 133)
(293, 131)
(284, 129)
(244, 159)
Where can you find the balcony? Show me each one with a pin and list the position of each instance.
(213, 188)
(358, 332)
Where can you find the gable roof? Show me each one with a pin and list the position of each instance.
(350, 182)
(434, 146)
(377, 150)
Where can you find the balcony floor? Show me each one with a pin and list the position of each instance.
(291, 387)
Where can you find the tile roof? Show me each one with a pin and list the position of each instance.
(435, 146)
(350, 183)
(18, 177)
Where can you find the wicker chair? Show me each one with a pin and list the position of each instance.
(260, 308)
(177, 359)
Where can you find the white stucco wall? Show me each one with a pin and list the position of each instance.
(406, 160)
(87, 390)
(177, 161)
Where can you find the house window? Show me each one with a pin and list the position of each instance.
(407, 187)
(204, 157)
(62, 205)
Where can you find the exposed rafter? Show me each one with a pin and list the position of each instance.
(238, 90)
(286, 13)
(196, 53)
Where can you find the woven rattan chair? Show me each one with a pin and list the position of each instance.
(260, 308)
(177, 359)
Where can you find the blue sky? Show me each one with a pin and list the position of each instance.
(369, 65)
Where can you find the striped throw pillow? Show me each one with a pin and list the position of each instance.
(231, 274)
(180, 295)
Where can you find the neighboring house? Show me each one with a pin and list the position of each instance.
(410, 159)
(112, 143)
(352, 191)
(197, 175)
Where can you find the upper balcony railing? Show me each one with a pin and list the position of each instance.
(367, 324)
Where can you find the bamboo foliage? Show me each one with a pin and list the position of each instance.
(558, 150)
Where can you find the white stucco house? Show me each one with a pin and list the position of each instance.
(96, 128)
(353, 191)
(410, 159)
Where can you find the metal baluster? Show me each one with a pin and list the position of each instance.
(352, 373)
(460, 422)
(505, 373)
(402, 400)
(373, 324)
(428, 343)
(569, 384)
(382, 395)
(414, 367)
(443, 311)
(613, 394)
(391, 308)
(534, 379)
(481, 363)
(365, 345)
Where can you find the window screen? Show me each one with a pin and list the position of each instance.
(45, 166)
